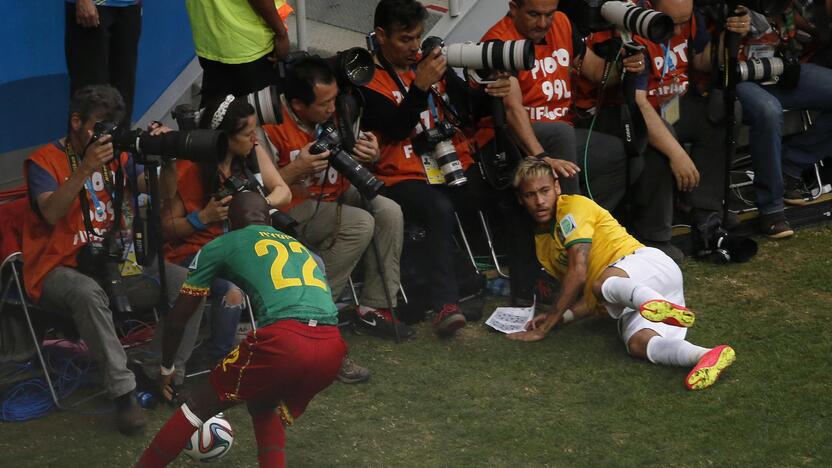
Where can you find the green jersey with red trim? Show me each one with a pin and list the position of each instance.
(278, 273)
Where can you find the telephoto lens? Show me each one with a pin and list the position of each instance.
(760, 69)
(266, 104)
(495, 55)
(650, 24)
(448, 162)
(509, 56)
(194, 145)
(362, 179)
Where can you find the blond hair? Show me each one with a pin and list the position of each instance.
(531, 167)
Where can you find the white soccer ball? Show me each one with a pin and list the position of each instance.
(211, 441)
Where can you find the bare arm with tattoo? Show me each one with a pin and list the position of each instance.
(571, 287)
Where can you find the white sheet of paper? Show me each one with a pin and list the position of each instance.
(510, 319)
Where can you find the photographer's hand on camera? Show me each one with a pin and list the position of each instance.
(634, 63)
(97, 154)
(741, 23)
(305, 165)
(430, 70)
(215, 211)
(501, 86)
(366, 149)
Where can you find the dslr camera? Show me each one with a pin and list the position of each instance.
(358, 175)
(602, 15)
(102, 262)
(436, 143)
(234, 185)
(783, 70)
(712, 242)
(194, 145)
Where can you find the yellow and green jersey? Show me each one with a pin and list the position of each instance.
(277, 272)
(580, 220)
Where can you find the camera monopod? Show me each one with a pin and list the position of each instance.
(348, 111)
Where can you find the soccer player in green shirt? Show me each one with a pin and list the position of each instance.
(294, 353)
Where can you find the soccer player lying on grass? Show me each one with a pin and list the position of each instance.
(294, 353)
(595, 260)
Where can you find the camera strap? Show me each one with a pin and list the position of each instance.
(72, 157)
(396, 79)
(116, 192)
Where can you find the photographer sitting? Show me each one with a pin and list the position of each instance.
(778, 165)
(675, 115)
(333, 219)
(547, 97)
(79, 229)
(196, 215)
(424, 156)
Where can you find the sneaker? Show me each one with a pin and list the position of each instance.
(663, 311)
(380, 322)
(795, 191)
(129, 414)
(710, 366)
(448, 320)
(352, 373)
(675, 253)
(775, 225)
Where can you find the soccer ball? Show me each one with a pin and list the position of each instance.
(211, 441)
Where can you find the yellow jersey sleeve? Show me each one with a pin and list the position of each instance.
(576, 220)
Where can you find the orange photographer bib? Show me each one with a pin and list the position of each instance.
(288, 138)
(398, 160)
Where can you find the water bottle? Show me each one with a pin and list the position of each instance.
(146, 400)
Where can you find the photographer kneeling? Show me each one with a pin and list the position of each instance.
(79, 229)
(333, 220)
(198, 213)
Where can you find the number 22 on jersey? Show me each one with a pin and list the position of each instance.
(280, 281)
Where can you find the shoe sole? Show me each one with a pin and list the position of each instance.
(353, 380)
(781, 235)
(796, 201)
(369, 331)
(667, 312)
(704, 377)
(451, 324)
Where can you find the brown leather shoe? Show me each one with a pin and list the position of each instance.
(129, 415)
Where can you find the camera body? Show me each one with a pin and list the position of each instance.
(712, 242)
(436, 143)
(102, 261)
(235, 184)
(358, 175)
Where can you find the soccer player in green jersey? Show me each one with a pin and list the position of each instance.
(294, 353)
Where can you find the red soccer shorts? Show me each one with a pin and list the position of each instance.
(286, 362)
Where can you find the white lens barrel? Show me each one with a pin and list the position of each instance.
(492, 55)
(757, 69)
(266, 105)
(650, 24)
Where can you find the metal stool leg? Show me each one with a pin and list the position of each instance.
(819, 180)
(465, 242)
(22, 296)
(491, 244)
(352, 290)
